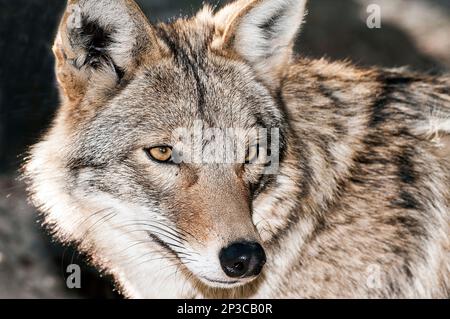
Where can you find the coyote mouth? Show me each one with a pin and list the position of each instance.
(209, 281)
(222, 282)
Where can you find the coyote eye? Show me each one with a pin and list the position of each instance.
(161, 154)
(252, 154)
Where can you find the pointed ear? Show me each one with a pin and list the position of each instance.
(262, 32)
(99, 43)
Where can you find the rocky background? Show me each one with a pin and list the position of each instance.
(414, 32)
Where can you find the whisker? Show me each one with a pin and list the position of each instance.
(181, 231)
(98, 223)
(165, 232)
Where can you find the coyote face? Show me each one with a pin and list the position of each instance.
(147, 154)
(195, 156)
(130, 92)
(198, 205)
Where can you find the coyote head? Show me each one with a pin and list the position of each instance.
(123, 172)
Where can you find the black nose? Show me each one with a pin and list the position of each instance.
(242, 259)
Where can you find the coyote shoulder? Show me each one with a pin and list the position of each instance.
(338, 183)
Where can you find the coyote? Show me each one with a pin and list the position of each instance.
(357, 202)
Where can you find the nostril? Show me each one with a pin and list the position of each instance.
(242, 259)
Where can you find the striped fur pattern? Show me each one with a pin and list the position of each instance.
(358, 209)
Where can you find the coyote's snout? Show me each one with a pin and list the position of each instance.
(200, 158)
(212, 207)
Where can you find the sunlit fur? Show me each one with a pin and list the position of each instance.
(363, 185)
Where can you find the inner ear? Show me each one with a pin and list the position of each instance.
(95, 41)
(99, 44)
(263, 33)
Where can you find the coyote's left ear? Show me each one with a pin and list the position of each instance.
(262, 32)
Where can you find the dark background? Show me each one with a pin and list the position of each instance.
(414, 33)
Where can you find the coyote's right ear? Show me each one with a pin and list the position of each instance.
(99, 43)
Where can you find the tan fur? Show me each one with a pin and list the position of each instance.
(362, 191)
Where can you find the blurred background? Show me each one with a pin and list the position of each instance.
(413, 32)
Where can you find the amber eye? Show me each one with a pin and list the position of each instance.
(252, 154)
(161, 154)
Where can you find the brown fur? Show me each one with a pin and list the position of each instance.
(364, 174)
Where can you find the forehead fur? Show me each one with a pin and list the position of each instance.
(169, 96)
